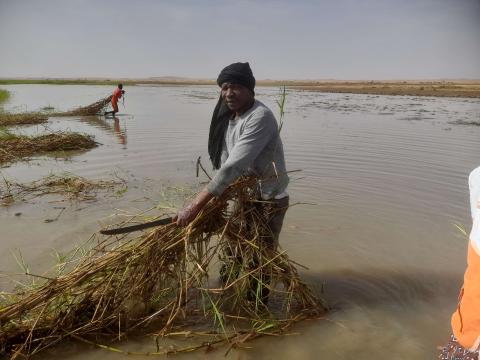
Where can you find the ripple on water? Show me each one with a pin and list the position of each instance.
(385, 194)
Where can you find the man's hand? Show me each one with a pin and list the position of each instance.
(186, 215)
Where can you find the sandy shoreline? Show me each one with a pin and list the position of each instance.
(438, 88)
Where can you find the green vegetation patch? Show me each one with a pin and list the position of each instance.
(4, 95)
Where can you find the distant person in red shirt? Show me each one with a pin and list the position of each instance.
(117, 94)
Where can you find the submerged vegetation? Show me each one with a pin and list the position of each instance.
(16, 147)
(70, 186)
(465, 122)
(162, 280)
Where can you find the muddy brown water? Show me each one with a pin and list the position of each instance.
(383, 181)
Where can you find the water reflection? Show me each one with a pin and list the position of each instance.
(111, 124)
(121, 134)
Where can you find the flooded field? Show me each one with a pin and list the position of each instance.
(383, 180)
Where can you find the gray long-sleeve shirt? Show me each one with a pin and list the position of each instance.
(252, 146)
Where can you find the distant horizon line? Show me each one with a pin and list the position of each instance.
(213, 81)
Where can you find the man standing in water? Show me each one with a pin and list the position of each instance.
(244, 139)
(117, 94)
(465, 341)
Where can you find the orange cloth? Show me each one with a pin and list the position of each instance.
(466, 319)
(117, 94)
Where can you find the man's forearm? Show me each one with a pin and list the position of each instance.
(190, 212)
(202, 198)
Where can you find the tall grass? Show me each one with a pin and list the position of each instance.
(4, 95)
(281, 106)
(5, 134)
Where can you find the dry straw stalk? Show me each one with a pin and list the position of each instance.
(69, 186)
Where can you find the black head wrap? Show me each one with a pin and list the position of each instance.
(236, 73)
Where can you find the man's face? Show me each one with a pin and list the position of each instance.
(237, 97)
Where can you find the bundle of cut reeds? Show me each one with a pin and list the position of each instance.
(15, 147)
(92, 109)
(162, 278)
(7, 119)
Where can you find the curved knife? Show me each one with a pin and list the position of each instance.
(131, 228)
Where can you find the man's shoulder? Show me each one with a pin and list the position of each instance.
(260, 108)
(261, 112)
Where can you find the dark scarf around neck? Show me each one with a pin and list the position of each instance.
(220, 118)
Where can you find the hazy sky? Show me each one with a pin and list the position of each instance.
(342, 39)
